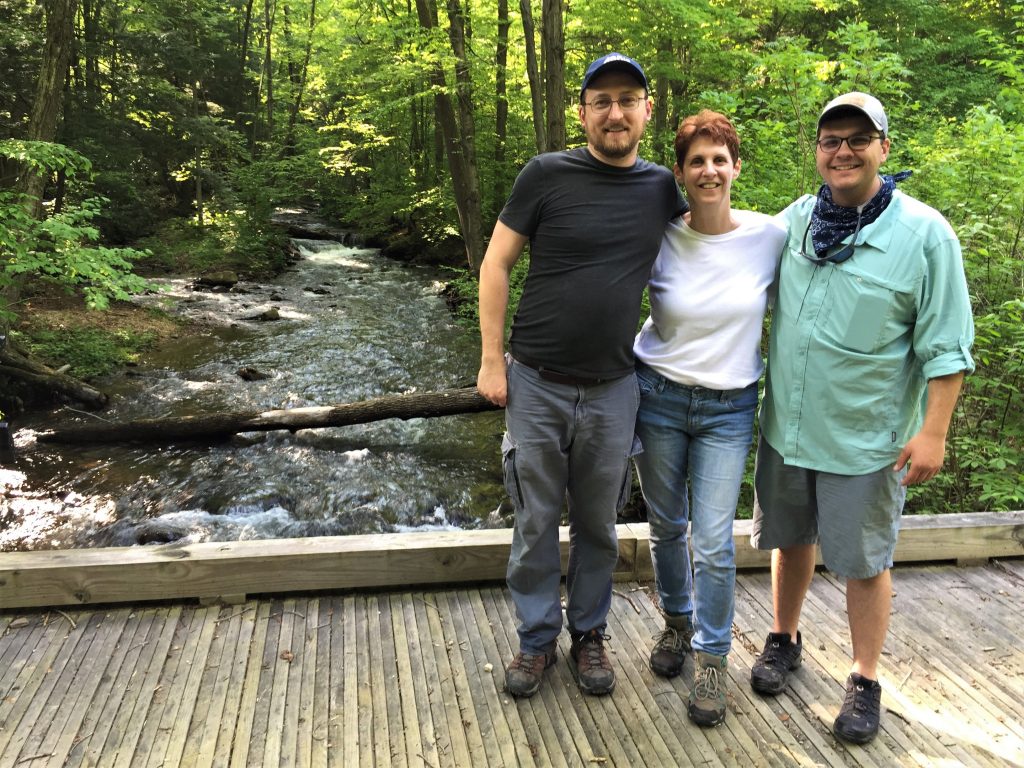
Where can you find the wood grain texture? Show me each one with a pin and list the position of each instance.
(235, 569)
(415, 678)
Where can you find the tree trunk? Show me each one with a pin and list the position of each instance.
(664, 140)
(220, 425)
(533, 73)
(301, 85)
(241, 100)
(53, 70)
(417, 150)
(500, 107)
(60, 27)
(60, 191)
(468, 200)
(243, 44)
(14, 364)
(269, 66)
(553, 34)
(91, 45)
(286, 33)
(678, 88)
(457, 148)
(198, 170)
(200, 218)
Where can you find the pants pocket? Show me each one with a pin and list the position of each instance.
(508, 462)
(627, 476)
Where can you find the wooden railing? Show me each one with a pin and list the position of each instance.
(230, 571)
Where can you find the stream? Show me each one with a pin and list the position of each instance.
(353, 325)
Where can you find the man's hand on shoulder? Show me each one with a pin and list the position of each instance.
(924, 453)
(491, 381)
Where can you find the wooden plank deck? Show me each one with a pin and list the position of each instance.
(413, 678)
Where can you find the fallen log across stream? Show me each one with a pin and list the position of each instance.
(221, 425)
(15, 363)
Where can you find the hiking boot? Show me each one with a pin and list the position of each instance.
(523, 675)
(594, 672)
(858, 719)
(706, 706)
(779, 657)
(672, 645)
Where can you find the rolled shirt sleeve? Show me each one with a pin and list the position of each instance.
(944, 331)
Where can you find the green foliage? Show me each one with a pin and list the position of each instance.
(90, 352)
(1008, 63)
(232, 240)
(971, 170)
(182, 119)
(466, 287)
(61, 248)
(45, 157)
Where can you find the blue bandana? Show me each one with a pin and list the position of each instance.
(831, 223)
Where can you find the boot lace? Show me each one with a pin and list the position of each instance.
(670, 639)
(528, 662)
(591, 651)
(707, 683)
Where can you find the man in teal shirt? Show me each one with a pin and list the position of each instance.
(870, 341)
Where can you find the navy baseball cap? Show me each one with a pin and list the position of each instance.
(613, 62)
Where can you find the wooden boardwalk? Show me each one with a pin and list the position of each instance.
(414, 678)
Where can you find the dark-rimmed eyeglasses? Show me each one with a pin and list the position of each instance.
(626, 103)
(857, 142)
(836, 258)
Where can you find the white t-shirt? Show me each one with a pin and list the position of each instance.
(708, 298)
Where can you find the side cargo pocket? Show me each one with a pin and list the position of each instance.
(508, 463)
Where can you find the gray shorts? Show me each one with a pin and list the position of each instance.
(856, 518)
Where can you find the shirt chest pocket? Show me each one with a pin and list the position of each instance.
(865, 314)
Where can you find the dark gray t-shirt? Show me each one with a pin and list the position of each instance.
(594, 231)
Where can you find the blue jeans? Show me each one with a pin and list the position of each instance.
(565, 445)
(695, 446)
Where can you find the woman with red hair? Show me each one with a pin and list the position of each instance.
(698, 364)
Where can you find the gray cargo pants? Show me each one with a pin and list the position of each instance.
(565, 443)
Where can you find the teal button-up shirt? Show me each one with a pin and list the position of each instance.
(853, 345)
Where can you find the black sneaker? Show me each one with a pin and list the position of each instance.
(779, 657)
(672, 645)
(858, 719)
(594, 672)
(523, 675)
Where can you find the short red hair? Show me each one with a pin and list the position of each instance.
(709, 125)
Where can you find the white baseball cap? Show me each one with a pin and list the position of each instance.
(864, 103)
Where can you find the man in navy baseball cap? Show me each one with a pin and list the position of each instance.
(593, 217)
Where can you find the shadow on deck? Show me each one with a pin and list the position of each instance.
(414, 678)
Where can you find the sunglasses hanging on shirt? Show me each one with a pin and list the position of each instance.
(839, 256)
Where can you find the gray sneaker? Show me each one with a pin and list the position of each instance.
(523, 675)
(707, 702)
(672, 645)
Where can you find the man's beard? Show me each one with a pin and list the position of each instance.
(614, 149)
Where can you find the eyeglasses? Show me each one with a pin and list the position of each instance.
(836, 258)
(857, 142)
(626, 103)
